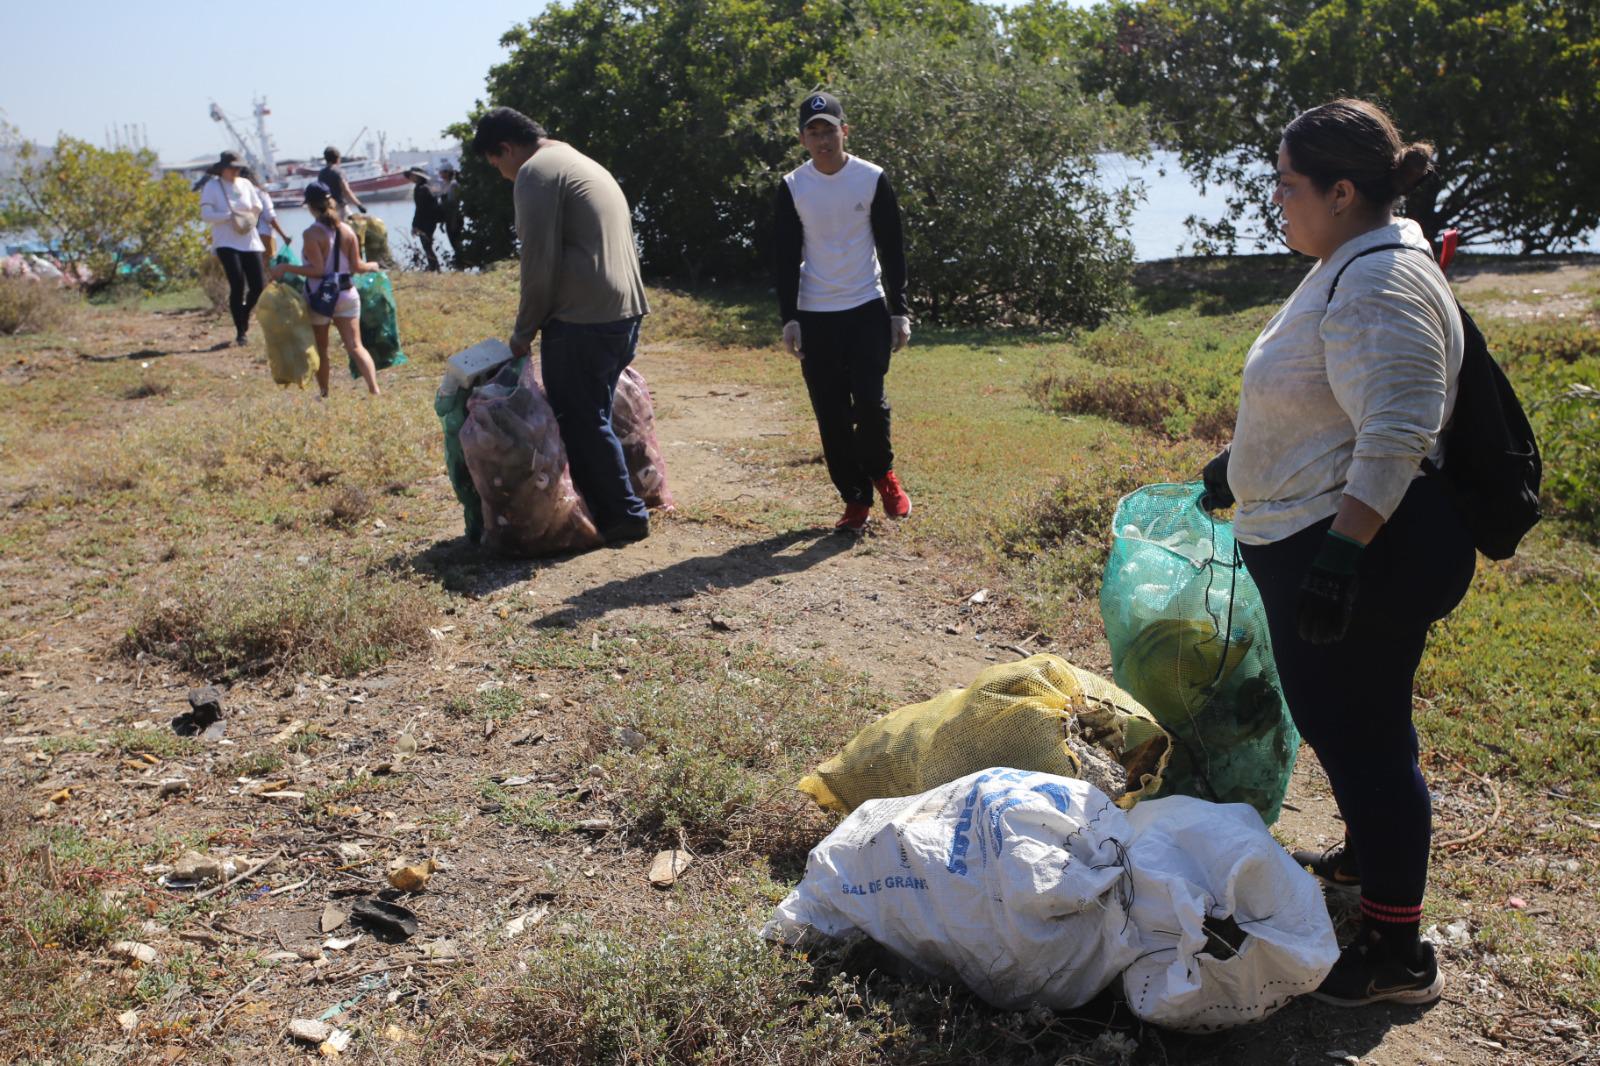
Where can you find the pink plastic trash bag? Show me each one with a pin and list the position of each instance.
(633, 417)
(519, 467)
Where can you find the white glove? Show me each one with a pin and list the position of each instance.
(899, 332)
(791, 338)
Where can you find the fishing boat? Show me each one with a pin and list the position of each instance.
(285, 180)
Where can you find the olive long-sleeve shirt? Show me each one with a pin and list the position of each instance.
(579, 261)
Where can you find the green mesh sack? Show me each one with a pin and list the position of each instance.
(285, 254)
(1188, 637)
(380, 325)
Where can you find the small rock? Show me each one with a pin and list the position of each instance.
(129, 1021)
(353, 853)
(668, 867)
(197, 869)
(173, 786)
(134, 952)
(981, 596)
(631, 739)
(595, 825)
(442, 949)
(725, 624)
(333, 916)
(309, 1030)
(204, 716)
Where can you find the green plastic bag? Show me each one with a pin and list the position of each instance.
(1189, 641)
(285, 254)
(380, 325)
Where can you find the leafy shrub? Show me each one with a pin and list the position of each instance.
(1567, 426)
(28, 305)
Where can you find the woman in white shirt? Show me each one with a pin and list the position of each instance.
(1356, 552)
(232, 206)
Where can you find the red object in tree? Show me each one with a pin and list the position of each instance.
(1448, 240)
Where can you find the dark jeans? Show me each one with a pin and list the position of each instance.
(581, 365)
(425, 235)
(245, 282)
(846, 355)
(1352, 700)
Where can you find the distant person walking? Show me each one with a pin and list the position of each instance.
(1357, 548)
(232, 206)
(332, 254)
(450, 210)
(332, 178)
(269, 220)
(425, 218)
(841, 281)
(582, 294)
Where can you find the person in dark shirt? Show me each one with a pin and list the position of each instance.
(426, 218)
(450, 209)
(841, 281)
(331, 176)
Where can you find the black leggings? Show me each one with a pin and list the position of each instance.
(245, 282)
(1352, 700)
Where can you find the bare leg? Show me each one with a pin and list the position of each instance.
(349, 332)
(320, 333)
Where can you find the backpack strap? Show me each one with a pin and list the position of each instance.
(1367, 251)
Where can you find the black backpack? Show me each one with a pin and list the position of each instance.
(1492, 463)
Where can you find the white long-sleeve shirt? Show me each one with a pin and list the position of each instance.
(218, 199)
(1346, 397)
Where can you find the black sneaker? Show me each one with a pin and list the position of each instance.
(1335, 867)
(626, 532)
(241, 340)
(1366, 973)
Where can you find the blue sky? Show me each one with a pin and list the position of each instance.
(406, 67)
(327, 70)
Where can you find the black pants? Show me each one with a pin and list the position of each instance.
(846, 355)
(425, 235)
(581, 365)
(1352, 700)
(245, 282)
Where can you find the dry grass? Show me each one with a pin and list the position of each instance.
(31, 306)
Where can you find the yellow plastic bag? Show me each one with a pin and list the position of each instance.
(286, 325)
(1026, 715)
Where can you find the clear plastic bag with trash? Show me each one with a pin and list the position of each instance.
(1189, 641)
(634, 421)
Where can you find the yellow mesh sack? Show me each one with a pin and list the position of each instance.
(1018, 715)
(286, 327)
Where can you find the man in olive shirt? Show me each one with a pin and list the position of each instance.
(581, 292)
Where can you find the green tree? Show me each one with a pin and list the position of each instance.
(663, 93)
(110, 213)
(993, 155)
(1507, 90)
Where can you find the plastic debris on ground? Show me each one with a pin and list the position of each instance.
(1189, 641)
(1040, 713)
(513, 449)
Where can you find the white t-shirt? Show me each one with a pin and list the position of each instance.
(268, 213)
(839, 267)
(217, 205)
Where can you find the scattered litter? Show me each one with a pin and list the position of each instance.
(523, 922)
(337, 1041)
(172, 786)
(441, 950)
(281, 956)
(290, 731)
(353, 853)
(595, 825)
(411, 877)
(309, 1030)
(396, 1035)
(519, 780)
(204, 716)
(386, 920)
(1456, 935)
(129, 1021)
(668, 867)
(195, 870)
(338, 943)
(282, 794)
(1516, 903)
(406, 745)
(1344, 1056)
(981, 596)
(333, 916)
(134, 952)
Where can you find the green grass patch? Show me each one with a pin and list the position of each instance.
(262, 618)
(158, 740)
(525, 808)
(321, 801)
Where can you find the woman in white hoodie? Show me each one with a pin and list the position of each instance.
(232, 206)
(1356, 546)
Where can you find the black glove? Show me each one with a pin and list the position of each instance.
(362, 208)
(1218, 496)
(1328, 591)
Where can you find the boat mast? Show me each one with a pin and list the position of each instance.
(269, 164)
(250, 157)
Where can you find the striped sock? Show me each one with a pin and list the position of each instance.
(1397, 927)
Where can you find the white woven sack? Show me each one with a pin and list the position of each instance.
(1012, 882)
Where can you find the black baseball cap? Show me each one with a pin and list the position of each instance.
(821, 105)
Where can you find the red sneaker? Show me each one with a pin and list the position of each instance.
(855, 517)
(896, 504)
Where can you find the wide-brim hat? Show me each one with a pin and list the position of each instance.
(417, 172)
(228, 158)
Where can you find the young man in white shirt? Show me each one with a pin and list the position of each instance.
(841, 281)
